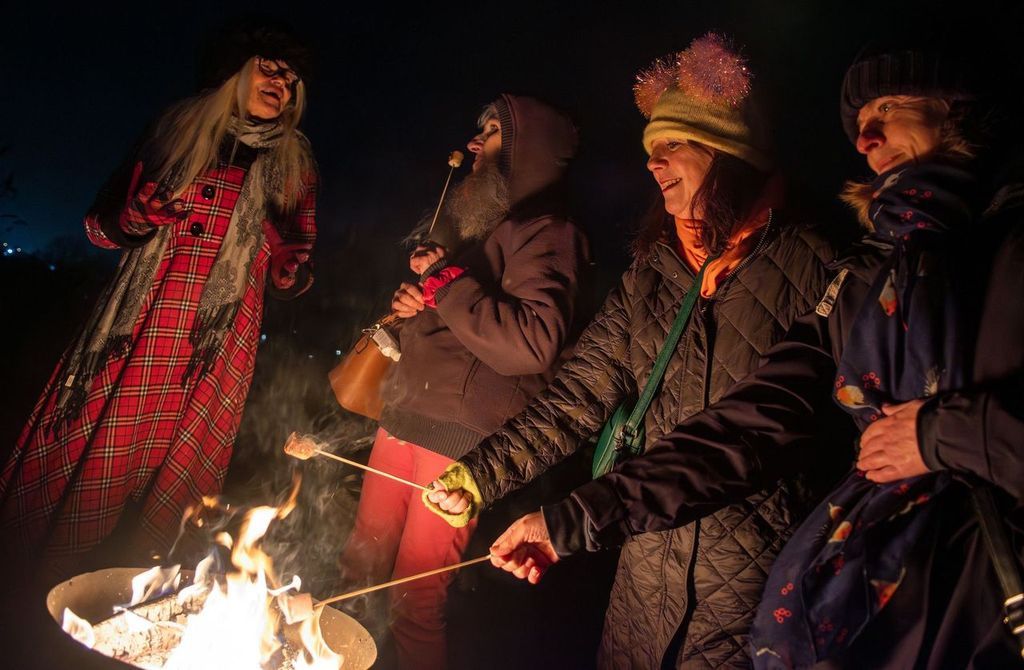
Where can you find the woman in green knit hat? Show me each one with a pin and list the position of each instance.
(685, 597)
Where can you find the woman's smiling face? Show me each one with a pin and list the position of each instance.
(679, 167)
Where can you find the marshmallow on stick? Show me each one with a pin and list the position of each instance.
(305, 447)
(302, 448)
(295, 607)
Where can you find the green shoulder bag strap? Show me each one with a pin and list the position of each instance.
(623, 434)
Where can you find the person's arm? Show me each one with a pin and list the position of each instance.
(572, 408)
(980, 431)
(291, 265)
(519, 326)
(767, 425)
(128, 209)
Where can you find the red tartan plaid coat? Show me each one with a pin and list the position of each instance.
(141, 438)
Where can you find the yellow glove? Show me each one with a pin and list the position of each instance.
(456, 476)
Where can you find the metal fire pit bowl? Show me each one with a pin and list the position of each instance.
(93, 595)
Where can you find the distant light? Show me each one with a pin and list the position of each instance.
(310, 356)
(19, 250)
(337, 352)
(52, 267)
(263, 337)
(5, 245)
(9, 252)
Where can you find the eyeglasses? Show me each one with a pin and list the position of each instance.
(272, 69)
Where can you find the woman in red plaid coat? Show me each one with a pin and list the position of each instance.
(138, 420)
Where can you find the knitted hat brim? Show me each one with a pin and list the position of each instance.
(900, 72)
(658, 129)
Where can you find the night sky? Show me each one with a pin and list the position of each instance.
(396, 91)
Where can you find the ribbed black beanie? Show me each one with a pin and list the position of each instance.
(878, 71)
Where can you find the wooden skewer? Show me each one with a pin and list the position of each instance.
(454, 161)
(396, 582)
(441, 201)
(303, 447)
(373, 470)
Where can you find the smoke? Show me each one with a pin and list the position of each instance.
(291, 393)
(357, 270)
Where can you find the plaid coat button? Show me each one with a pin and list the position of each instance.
(208, 192)
(196, 229)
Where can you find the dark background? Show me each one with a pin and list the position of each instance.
(395, 90)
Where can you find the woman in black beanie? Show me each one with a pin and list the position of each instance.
(897, 567)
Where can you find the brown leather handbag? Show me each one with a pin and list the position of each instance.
(357, 380)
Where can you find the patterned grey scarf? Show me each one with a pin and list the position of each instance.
(108, 333)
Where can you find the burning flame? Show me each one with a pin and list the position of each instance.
(247, 615)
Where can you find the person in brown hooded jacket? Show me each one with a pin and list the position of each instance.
(484, 329)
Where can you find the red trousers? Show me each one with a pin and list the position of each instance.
(396, 536)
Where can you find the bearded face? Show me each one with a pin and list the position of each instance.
(479, 203)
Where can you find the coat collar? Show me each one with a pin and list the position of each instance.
(665, 260)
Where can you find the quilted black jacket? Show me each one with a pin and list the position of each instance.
(686, 597)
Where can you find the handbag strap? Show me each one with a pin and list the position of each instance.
(388, 320)
(993, 529)
(665, 354)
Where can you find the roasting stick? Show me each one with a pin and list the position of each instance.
(373, 470)
(305, 448)
(396, 582)
(454, 161)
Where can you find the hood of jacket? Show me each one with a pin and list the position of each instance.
(537, 144)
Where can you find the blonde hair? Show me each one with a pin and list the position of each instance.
(188, 138)
(953, 146)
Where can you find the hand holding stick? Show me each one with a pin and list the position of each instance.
(304, 448)
(525, 549)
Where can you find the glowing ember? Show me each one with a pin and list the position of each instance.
(241, 620)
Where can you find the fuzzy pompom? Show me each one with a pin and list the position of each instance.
(652, 82)
(711, 69)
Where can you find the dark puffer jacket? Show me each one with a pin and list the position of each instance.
(685, 597)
